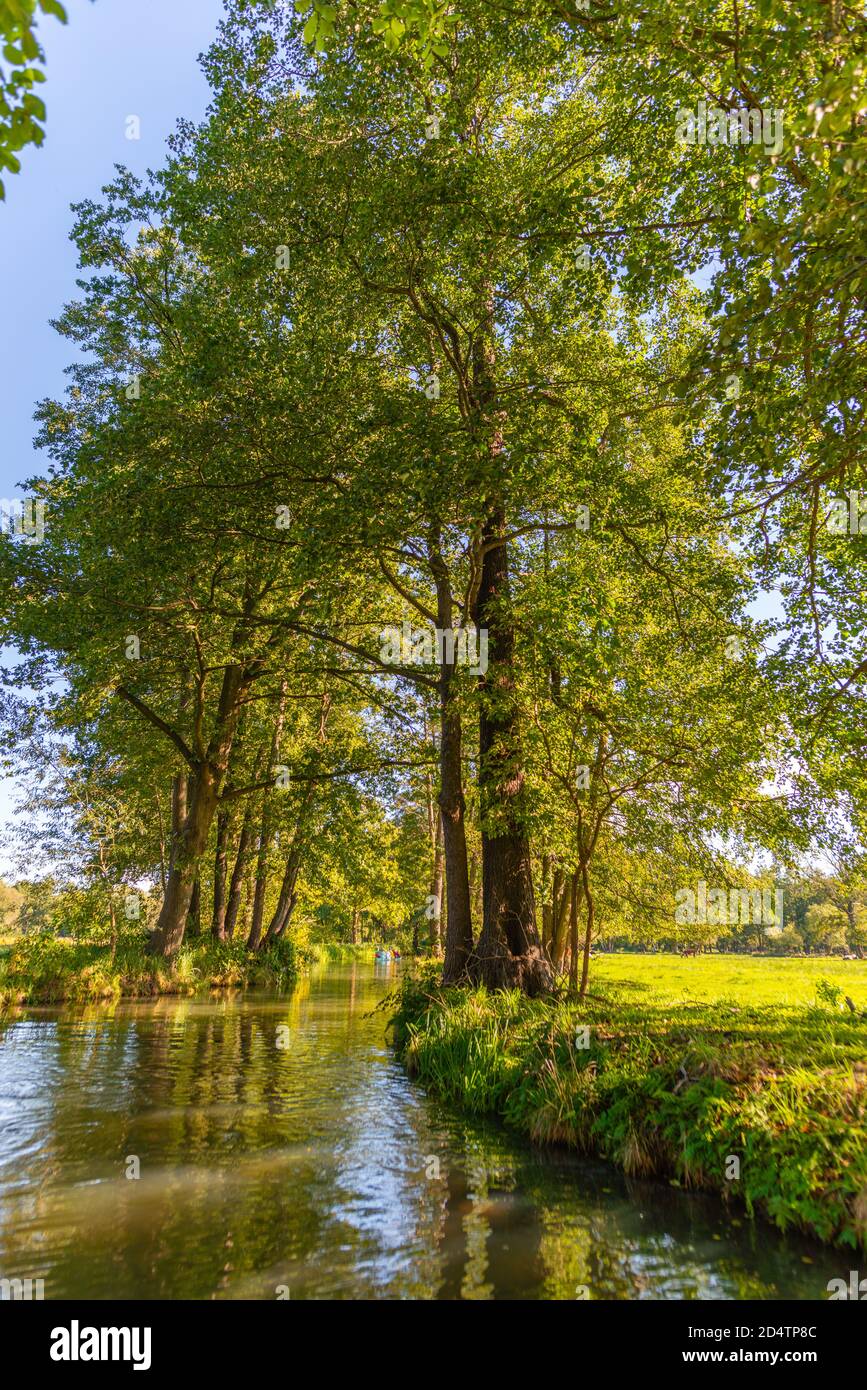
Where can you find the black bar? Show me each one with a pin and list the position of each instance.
(222, 1338)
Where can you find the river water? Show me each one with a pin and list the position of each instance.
(281, 1152)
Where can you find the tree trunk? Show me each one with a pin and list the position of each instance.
(547, 912)
(475, 885)
(247, 897)
(573, 933)
(194, 911)
(288, 895)
(163, 874)
(236, 886)
(288, 888)
(588, 936)
(560, 943)
(202, 793)
(459, 925)
(356, 919)
(436, 889)
(189, 844)
(261, 884)
(554, 912)
(221, 862)
(852, 934)
(508, 953)
(265, 832)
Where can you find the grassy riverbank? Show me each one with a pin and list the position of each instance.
(337, 951)
(665, 1089)
(45, 970)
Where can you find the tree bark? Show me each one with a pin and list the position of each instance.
(547, 913)
(194, 911)
(475, 884)
(236, 886)
(261, 884)
(189, 844)
(265, 832)
(436, 889)
(221, 865)
(203, 786)
(573, 933)
(459, 925)
(288, 889)
(560, 942)
(852, 934)
(554, 912)
(508, 954)
(588, 935)
(288, 895)
(247, 898)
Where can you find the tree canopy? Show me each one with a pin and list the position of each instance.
(440, 419)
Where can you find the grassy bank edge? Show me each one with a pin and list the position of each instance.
(45, 970)
(665, 1091)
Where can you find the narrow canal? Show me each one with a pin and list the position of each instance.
(255, 1147)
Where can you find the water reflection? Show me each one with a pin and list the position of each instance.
(279, 1143)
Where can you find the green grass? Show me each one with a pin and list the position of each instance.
(747, 979)
(44, 970)
(337, 951)
(671, 1089)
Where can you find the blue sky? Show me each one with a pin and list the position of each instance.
(114, 59)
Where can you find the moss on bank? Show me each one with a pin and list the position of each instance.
(666, 1090)
(45, 970)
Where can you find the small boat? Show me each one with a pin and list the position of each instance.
(383, 955)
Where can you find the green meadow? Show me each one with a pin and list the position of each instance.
(753, 980)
